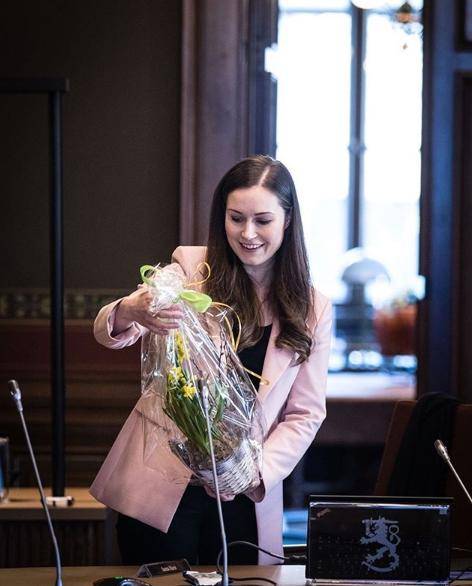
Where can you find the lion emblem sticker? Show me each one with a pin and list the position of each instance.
(384, 534)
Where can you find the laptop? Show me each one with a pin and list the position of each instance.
(378, 540)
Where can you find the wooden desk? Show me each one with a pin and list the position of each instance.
(282, 575)
(82, 530)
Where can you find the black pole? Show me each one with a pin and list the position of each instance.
(54, 87)
(57, 297)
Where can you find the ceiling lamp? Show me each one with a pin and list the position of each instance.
(408, 20)
(408, 17)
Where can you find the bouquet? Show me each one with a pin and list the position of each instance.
(196, 369)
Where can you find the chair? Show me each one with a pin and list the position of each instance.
(461, 456)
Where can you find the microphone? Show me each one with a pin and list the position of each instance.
(16, 396)
(224, 578)
(443, 453)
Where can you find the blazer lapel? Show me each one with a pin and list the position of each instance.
(276, 362)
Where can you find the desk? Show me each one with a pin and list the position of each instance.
(283, 575)
(82, 530)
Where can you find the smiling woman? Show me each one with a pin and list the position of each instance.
(256, 249)
(259, 267)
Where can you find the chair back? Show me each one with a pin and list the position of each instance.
(461, 457)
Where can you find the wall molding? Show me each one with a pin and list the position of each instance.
(33, 303)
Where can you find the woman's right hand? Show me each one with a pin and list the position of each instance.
(138, 308)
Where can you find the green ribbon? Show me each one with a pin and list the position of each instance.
(199, 302)
(143, 272)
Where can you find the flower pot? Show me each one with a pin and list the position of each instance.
(395, 330)
(236, 474)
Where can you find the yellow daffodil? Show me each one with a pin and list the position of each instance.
(181, 351)
(188, 391)
(175, 374)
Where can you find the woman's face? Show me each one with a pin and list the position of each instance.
(255, 223)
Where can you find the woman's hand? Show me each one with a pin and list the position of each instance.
(138, 308)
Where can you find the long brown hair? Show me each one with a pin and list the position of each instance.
(291, 293)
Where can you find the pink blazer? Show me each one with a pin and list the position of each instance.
(293, 404)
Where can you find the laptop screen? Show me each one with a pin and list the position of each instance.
(378, 539)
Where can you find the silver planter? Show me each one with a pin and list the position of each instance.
(236, 474)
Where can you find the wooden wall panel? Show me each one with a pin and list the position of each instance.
(28, 543)
(446, 161)
(462, 267)
(121, 122)
(228, 100)
(102, 386)
(213, 106)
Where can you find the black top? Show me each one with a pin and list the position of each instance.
(253, 357)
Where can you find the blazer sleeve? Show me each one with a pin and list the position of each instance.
(187, 257)
(103, 328)
(303, 414)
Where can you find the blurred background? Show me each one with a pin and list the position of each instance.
(369, 105)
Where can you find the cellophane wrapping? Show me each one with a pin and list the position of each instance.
(175, 370)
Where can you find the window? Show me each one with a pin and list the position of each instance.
(314, 61)
(349, 128)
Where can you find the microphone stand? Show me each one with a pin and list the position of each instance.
(443, 453)
(16, 395)
(205, 394)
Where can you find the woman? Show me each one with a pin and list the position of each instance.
(258, 266)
